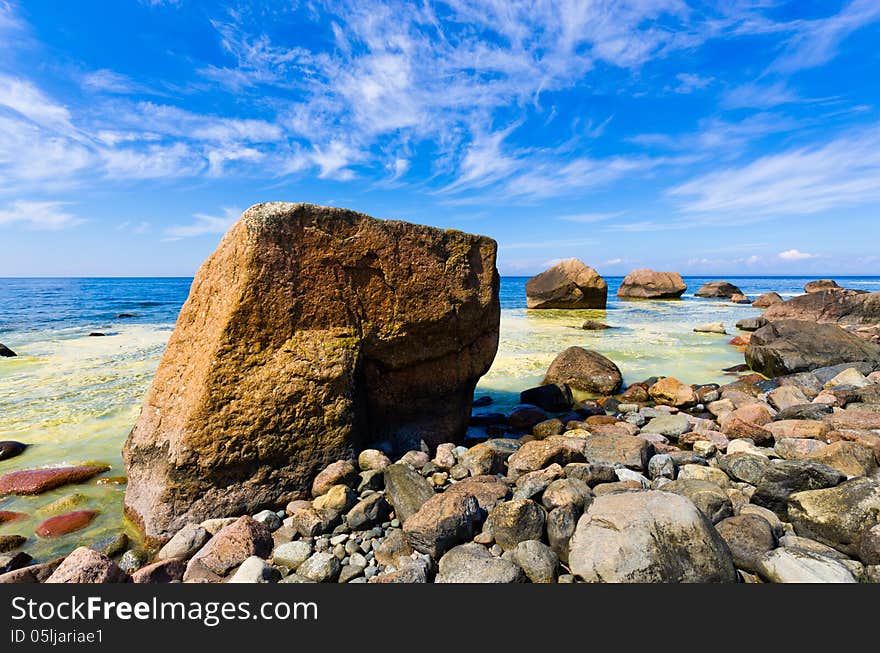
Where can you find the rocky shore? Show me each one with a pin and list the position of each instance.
(303, 435)
(760, 480)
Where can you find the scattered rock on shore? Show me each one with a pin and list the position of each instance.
(87, 566)
(569, 284)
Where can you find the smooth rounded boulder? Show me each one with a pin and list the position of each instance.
(308, 334)
(718, 289)
(584, 371)
(569, 284)
(649, 284)
(648, 537)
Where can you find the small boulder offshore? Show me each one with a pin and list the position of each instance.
(649, 284)
(718, 289)
(308, 334)
(569, 284)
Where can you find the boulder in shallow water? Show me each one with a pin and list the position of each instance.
(569, 284)
(711, 327)
(10, 515)
(67, 523)
(11, 449)
(718, 289)
(789, 346)
(35, 481)
(649, 284)
(6, 352)
(767, 299)
(820, 285)
(309, 333)
(584, 371)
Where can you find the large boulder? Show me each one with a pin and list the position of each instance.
(584, 371)
(847, 308)
(648, 537)
(718, 289)
(789, 346)
(839, 516)
(568, 284)
(648, 284)
(309, 333)
(6, 352)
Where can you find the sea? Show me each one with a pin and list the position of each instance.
(74, 397)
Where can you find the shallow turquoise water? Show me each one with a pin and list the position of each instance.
(74, 398)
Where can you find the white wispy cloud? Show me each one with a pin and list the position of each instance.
(815, 42)
(794, 255)
(690, 82)
(36, 214)
(842, 172)
(589, 218)
(204, 224)
(758, 96)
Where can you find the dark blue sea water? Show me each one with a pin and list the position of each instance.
(94, 303)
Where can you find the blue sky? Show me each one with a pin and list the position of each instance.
(729, 137)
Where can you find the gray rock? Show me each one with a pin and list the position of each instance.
(711, 500)
(590, 473)
(650, 536)
(292, 554)
(269, 518)
(784, 565)
(472, 563)
(804, 411)
(442, 522)
(672, 426)
(515, 521)
(184, 544)
(561, 524)
(744, 467)
(662, 466)
(255, 570)
(782, 478)
(748, 537)
(321, 567)
(566, 491)
(406, 490)
(537, 560)
(839, 516)
(367, 512)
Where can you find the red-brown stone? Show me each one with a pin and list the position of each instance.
(67, 523)
(35, 481)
